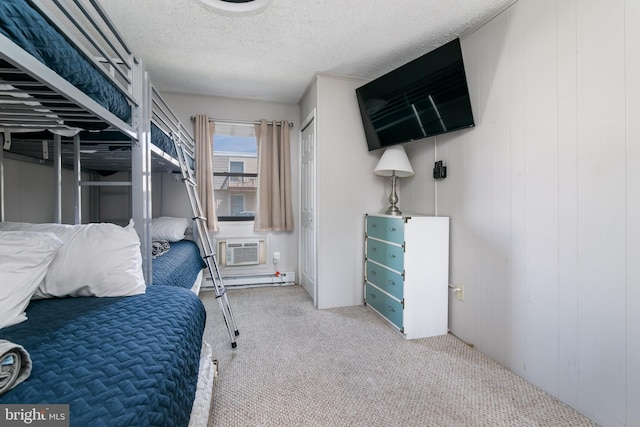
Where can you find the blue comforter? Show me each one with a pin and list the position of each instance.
(165, 143)
(178, 267)
(27, 28)
(162, 141)
(123, 361)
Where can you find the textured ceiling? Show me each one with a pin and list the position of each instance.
(273, 53)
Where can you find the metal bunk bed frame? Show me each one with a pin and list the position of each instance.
(82, 24)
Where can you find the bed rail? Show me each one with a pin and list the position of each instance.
(163, 117)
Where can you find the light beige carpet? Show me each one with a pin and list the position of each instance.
(299, 366)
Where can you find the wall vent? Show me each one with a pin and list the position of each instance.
(237, 252)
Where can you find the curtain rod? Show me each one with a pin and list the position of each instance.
(243, 122)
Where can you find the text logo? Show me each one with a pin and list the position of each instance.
(34, 415)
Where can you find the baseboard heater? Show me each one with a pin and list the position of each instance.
(285, 278)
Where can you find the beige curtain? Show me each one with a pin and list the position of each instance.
(204, 130)
(274, 208)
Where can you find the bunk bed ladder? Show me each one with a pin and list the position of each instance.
(205, 241)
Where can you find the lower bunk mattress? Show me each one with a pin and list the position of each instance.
(179, 266)
(120, 361)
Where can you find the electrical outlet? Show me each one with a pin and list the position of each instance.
(460, 292)
(276, 257)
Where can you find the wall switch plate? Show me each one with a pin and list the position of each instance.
(276, 257)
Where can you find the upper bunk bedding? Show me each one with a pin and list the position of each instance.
(116, 361)
(24, 25)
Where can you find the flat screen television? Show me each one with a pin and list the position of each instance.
(425, 97)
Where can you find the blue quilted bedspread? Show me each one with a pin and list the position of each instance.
(123, 361)
(162, 141)
(178, 267)
(27, 28)
(165, 143)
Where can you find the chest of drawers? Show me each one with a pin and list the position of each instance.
(406, 272)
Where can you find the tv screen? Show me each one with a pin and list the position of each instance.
(426, 97)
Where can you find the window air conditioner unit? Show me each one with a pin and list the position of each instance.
(238, 252)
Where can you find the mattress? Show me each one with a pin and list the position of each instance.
(166, 144)
(24, 25)
(178, 267)
(162, 141)
(119, 361)
(204, 394)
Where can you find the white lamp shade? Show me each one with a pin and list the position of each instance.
(394, 160)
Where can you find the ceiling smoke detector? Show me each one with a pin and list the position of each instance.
(236, 5)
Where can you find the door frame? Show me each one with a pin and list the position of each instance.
(310, 120)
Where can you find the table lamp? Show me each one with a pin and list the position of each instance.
(394, 163)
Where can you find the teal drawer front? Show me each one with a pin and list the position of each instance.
(387, 306)
(390, 255)
(389, 229)
(387, 280)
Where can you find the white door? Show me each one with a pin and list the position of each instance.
(308, 207)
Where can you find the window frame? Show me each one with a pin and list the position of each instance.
(252, 175)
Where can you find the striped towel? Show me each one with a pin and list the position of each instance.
(15, 365)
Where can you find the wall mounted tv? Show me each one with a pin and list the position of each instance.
(426, 97)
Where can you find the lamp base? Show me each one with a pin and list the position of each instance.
(393, 210)
(393, 198)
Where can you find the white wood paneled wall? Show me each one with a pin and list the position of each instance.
(544, 200)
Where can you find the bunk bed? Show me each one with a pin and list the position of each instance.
(65, 72)
(72, 93)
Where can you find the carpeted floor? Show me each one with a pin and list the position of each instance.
(299, 366)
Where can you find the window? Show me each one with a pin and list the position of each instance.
(236, 167)
(235, 171)
(237, 204)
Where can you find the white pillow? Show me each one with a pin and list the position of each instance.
(102, 260)
(169, 228)
(24, 258)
